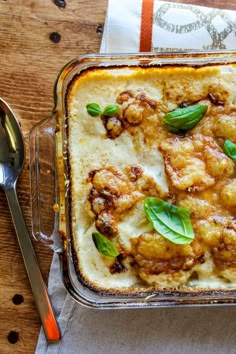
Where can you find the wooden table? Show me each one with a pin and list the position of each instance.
(36, 39)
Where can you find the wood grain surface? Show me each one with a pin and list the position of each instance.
(30, 62)
(37, 38)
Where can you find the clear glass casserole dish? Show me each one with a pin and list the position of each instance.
(50, 184)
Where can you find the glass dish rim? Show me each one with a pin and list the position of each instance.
(61, 228)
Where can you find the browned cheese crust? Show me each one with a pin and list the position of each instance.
(189, 170)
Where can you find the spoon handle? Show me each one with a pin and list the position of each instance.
(38, 286)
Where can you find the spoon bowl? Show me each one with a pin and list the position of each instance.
(12, 151)
(12, 157)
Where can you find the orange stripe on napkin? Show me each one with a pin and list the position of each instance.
(146, 26)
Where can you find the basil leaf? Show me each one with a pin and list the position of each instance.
(110, 110)
(169, 220)
(104, 246)
(93, 109)
(229, 149)
(184, 119)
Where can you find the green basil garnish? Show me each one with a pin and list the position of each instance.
(104, 246)
(169, 220)
(229, 149)
(110, 110)
(184, 119)
(93, 109)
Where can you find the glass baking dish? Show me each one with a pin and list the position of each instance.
(49, 175)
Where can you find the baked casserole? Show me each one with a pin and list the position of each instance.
(152, 179)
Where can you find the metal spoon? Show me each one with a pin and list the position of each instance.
(12, 156)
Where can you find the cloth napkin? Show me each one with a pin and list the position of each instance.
(165, 330)
(130, 27)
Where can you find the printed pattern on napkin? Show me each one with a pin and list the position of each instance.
(184, 26)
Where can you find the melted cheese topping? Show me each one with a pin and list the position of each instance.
(116, 162)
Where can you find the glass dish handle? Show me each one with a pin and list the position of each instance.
(43, 178)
